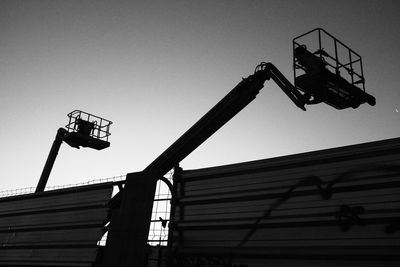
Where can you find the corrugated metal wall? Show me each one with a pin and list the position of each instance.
(336, 207)
(53, 228)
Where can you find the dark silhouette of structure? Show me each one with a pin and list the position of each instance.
(333, 207)
(130, 210)
(335, 78)
(82, 130)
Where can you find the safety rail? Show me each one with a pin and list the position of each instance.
(29, 190)
(333, 52)
(101, 126)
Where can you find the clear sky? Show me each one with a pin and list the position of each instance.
(155, 67)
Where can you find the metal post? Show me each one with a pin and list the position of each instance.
(319, 40)
(177, 176)
(127, 240)
(362, 75)
(336, 58)
(351, 68)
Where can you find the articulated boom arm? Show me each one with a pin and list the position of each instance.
(240, 96)
(132, 207)
(237, 99)
(286, 86)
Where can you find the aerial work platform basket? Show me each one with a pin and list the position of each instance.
(327, 70)
(87, 130)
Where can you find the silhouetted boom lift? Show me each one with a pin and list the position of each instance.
(333, 73)
(131, 208)
(83, 130)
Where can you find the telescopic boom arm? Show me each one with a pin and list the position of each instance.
(237, 99)
(132, 206)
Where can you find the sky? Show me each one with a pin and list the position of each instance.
(156, 67)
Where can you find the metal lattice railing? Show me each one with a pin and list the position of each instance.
(101, 126)
(158, 234)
